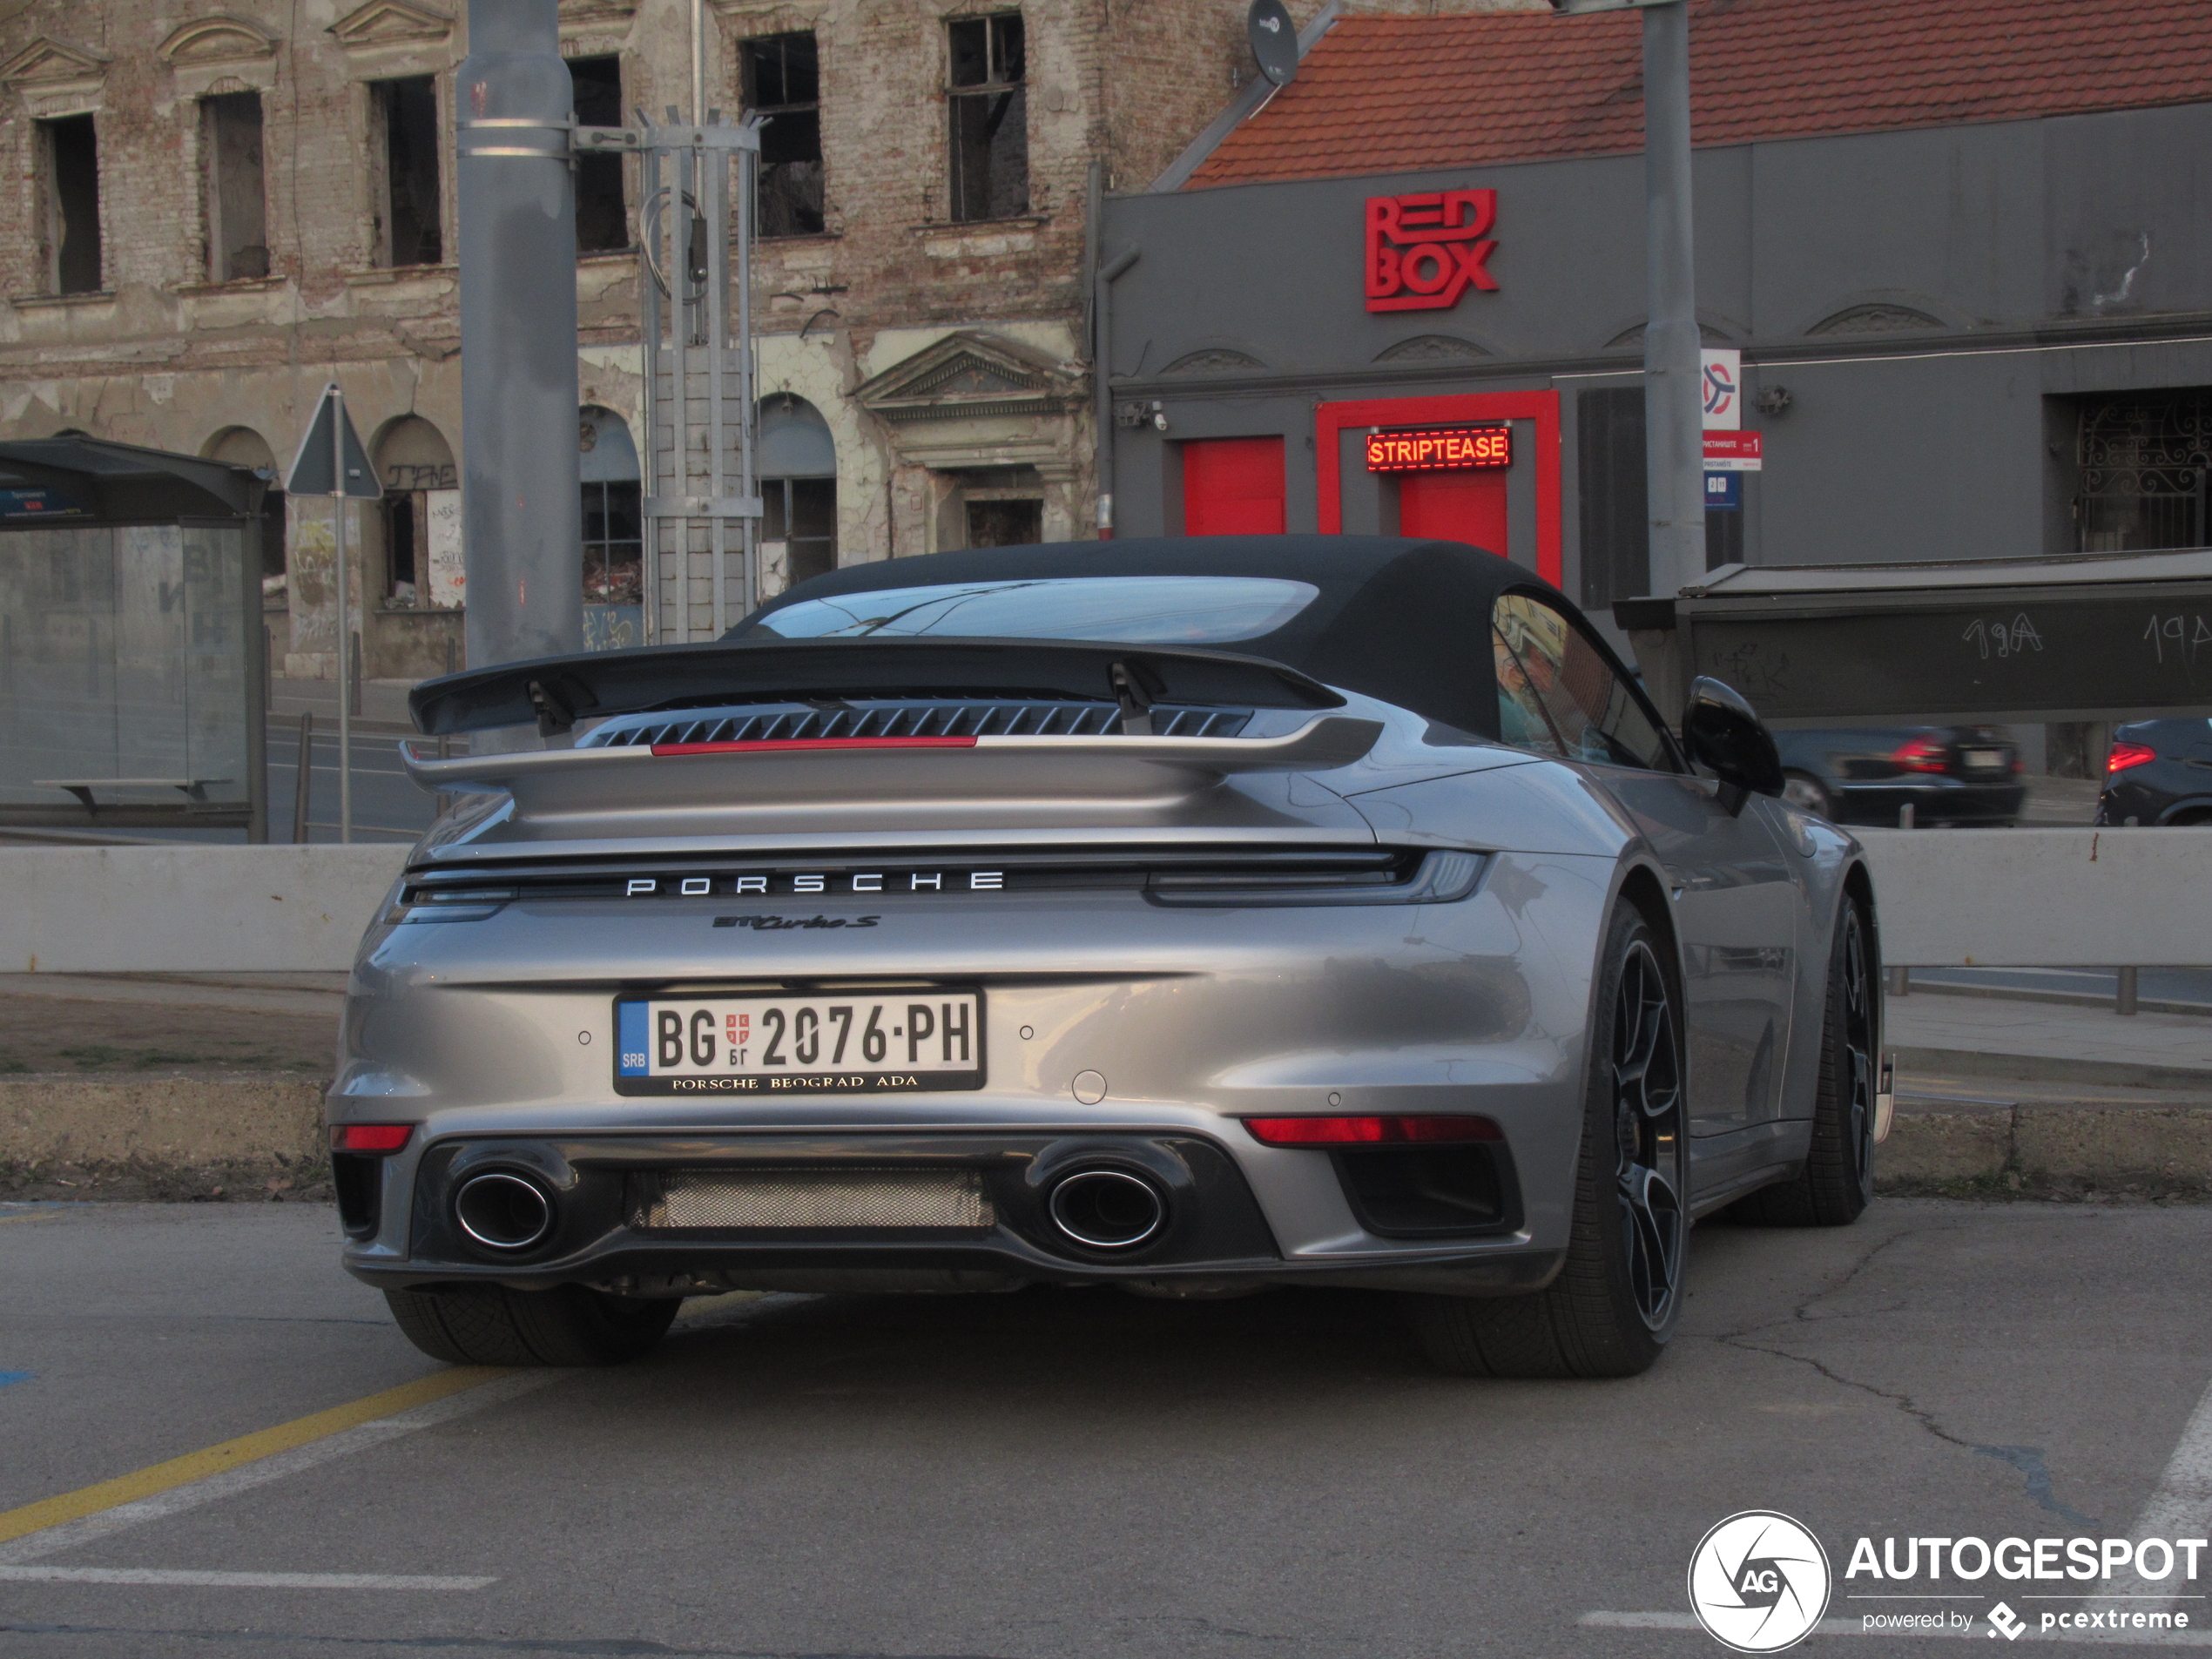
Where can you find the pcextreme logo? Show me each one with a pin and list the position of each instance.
(1759, 1582)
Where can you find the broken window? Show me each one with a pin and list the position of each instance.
(70, 153)
(602, 222)
(408, 112)
(783, 83)
(235, 201)
(990, 123)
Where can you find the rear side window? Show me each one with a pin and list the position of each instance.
(1558, 695)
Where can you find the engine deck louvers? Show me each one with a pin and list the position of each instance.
(922, 718)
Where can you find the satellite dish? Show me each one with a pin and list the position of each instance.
(1274, 40)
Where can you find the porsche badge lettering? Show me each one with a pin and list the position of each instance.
(824, 884)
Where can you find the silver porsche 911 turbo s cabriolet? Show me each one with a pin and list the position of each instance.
(1191, 915)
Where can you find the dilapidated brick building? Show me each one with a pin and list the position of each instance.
(216, 206)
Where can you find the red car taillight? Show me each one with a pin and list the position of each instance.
(369, 1137)
(2125, 755)
(1369, 1131)
(1922, 754)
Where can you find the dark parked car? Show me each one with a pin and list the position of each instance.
(2159, 772)
(1948, 774)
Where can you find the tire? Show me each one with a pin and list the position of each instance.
(1616, 1299)
(1808, 794)
(490, 1325)
(1837, 1181)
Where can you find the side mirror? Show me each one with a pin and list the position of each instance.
(1722, 734)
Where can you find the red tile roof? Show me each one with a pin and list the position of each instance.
(1403, 94)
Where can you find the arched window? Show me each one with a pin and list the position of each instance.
(241, 446)
(797, 467)
(422, 563)
(613, 524)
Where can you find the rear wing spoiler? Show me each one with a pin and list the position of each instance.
(905, 776)
(556, 691)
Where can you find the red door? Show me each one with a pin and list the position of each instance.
(1232, 487)
(1467, 507)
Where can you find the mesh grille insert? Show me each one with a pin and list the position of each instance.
(787, 1198)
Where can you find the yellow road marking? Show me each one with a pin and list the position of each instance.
(231, 1454)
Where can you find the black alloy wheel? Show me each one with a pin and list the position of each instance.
(1647, 1115)
(1837, 1181)
(1616, 1299)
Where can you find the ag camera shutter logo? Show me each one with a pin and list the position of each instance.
(1759, 1582)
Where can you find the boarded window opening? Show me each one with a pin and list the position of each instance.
(72, 205)
(990, 121)
(783, 82)
(235, 197)
(408, 111)
(601, 218)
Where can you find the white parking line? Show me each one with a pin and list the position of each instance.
(52, 1540)
(163, 1575)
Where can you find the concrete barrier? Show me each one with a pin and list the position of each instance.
(186, 909)
(2025, 898)
(1949, 898)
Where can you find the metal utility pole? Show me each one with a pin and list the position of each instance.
(521, 506)
(1674, 411)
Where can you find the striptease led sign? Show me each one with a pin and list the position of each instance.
(1439, 449)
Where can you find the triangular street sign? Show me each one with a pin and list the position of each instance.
(314, 468)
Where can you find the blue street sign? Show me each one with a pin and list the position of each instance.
(1724, 491)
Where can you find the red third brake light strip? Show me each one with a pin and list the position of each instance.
(781, 746)
(2125, 755)
(369, 1137)
(1369, 1131)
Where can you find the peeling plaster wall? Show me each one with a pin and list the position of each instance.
(161, 357)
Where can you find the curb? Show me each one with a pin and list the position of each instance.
(2029, 1067)
(249, 1135)
(244, 1134)
(2027, 1148)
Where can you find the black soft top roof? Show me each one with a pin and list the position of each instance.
(1403, 620)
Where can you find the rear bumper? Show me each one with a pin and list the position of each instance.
(605, 1230)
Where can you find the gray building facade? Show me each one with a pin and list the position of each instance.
(1980, 341)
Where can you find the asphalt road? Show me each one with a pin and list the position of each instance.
(1052, 1473)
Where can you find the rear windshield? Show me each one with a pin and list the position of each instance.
(1144, 610)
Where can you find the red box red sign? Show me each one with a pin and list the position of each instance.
(1439, 449)
(1425, 251)
(1732, 451)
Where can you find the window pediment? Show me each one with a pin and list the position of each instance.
(217, 40)
(47, 62)
(383, 22)
(965, 374)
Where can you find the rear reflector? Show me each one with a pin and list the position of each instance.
(369, 1137)
(1369, 1131)
(785, 745)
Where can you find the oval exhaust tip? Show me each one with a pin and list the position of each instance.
(1107, 1209)
(502, 1211)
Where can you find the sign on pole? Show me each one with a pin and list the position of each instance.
(1733, 451)
(1721, 389)
(316, 468)
(331, 461)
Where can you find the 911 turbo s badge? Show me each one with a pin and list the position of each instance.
(769, 924)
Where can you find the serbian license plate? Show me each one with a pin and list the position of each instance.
(1984, 759)
(872, 1041)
